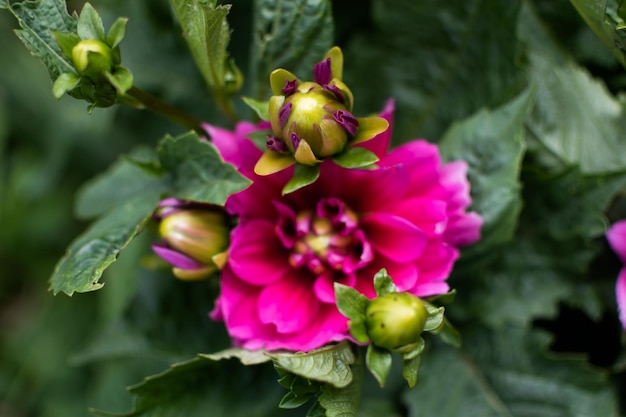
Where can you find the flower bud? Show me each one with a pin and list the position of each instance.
(395, 321)
(92, 57)
(195, 238)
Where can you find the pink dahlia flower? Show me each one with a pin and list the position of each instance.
(616, 236)
(408, 215)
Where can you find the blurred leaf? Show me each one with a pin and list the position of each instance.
(506, 374)
(198, 171)
(90, 24)
(355, 157)
(293, 35)
(441, 61)
(247, 357)
(38, 19)
(303, 175)
(575, 116)
(491, 142)
(383, 284)
(124, 180)
(342, 402)
(93, 251)
(378, 361)
(330, 364)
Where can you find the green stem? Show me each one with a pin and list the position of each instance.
(225, 104)
(139, 98)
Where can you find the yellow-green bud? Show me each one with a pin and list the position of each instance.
(395, 321)
(92, 57)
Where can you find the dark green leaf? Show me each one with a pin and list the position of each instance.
(199, 172)
(289, 34)
(491, 142)
(343, 402)
(303, 175)
(383, 284)
(355, 157)
(378, 361)
(93, 251)
(329, 364)
(122, 182)
(38, 19)
(504, 374)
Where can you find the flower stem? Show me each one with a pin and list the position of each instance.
(141, 99)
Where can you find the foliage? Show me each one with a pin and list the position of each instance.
(528, 92)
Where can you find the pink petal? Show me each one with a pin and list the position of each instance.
(422, 161)
(464, 229)
(429, 215)
(176, 258)
(324, 286)
(394, 237)
(235, 148)
(616, 236)
(255, 253)
(435, 266)
(403, 274)
(453, 176)
(289, 304)
(380, 143)
(620, 291)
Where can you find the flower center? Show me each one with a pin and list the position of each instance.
(325, 240)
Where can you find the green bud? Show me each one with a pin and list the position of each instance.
(395, 321)
(92, 57)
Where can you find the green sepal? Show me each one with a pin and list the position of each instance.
(89, 24)
(291, 400)
(64, 83)
(121, 78)
(303, 175)
(378, 361)
(383, 283)
(355, 157)
(449, 334)
(117, 32)
(278, 79)
(435, 318)
(442, 299)
(259, 137)
(358, 330)
(67, 42)
(261, 108)
(350, 302)
(410, 369)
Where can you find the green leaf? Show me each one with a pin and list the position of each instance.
(67, 42)
(64, 83)
(199, 173)
(383, 283)
(93, 251)
(575, 116)
(38, 19)
(378, 361)
(350, 302)
(342, 402)
(303, 175)
(329, 364)
(123, 181)
(355, 157)
(117, 32)
(293, 35)
(410, 369)
(90, 24)
(507, 373)
(121, 78)
(246, 357)
(261, 108)
(435, 318)
(491, 142)
(206, 31)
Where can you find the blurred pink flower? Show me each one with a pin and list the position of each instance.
(616, 236)
(408, 215)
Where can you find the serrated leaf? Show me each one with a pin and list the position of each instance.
(246, 357)
(342, 402)
(378, 361)
(303, 175)
(355, 157)
(123, 181)
(261, 108)
(492, 144)
(90, 24)
(383, 283)
(279, 31)
(199, 173)
(38, 19)
(506, 373)
(93, 251)
(330, 364)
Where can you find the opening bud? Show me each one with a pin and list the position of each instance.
(92, 57)
(395, 321)
(195, 238)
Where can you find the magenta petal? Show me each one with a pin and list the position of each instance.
(380, 143)
(429, 215)
(289, 304)
(394, 237)
(256, 255)
(463, 229)
(324, 286)
(453, 177)
(235, 148)
(435, 266)
(616, 236)
(422, 161)
(620, 291)
(175, 258)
